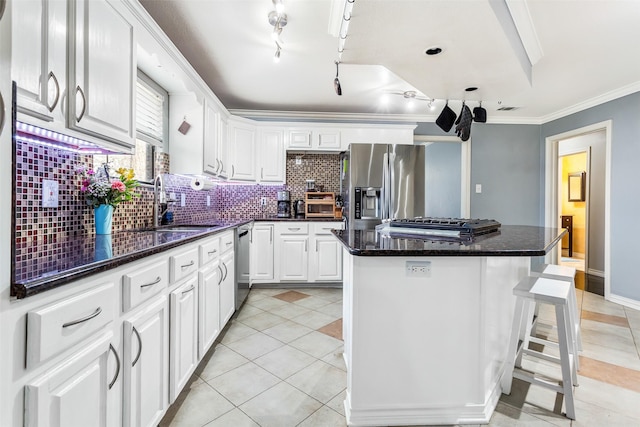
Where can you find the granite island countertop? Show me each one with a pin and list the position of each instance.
(510, 240)
(55, 262)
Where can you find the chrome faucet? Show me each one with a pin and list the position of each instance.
(160, 205)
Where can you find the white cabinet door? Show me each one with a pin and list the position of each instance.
(327, 139)
(39, 57)
(183, 352)
(223, 148)
(326, 259)
(146, 365)
(294, 258)
(262, 252)
(299, 138)
(271, 156)
(227, 288)
(211, 162)
(209, 280)
(242, 151)
(102, 72)
(76, 393)
(185, 149)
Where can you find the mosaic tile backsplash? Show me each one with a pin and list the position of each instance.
(35, 163)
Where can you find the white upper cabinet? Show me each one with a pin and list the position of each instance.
(186, 135)
(271, 156)
(242, 150)
(211, 161)
(320, 139)
(39, 57)
(102, 72)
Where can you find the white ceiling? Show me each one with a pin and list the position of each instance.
(584, 53)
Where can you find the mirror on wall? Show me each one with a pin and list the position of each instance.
(577, 185)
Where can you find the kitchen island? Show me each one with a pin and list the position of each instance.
(426, 323)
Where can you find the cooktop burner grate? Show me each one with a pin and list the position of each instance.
(444, 226)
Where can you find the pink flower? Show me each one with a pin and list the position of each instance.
(118, 185)
(85, 183)
(84, 189)
(90, 172)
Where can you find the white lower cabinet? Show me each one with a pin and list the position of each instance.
(293, 265)
(326, 259)
(76, 393)
(183, 335)
(146, 365)
(262, 252)
(227, 287)
(209, 281)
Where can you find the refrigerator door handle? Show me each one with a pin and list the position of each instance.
(384, 192)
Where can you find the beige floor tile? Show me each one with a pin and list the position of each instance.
(633, 316)
(608, 397)
(607, 335)
(265, 291)
(243, 383)
(334, 309)
(313, 302)
(221, 361)
(281, 406)
(316, 344)
(623, 358)
(269, 304)
(291, 296)
(333, 329)
(329, 294)
(336, 358)
(596, 303)
(324, 417)
(605, 318)
(255, 345)
(284, 361)
(337, 403)
(611, 374)
(290, 311)
(508, 416)
(320, 381)
(314, 319)
(287, 331)
(255, 295)
(247, 311)
(235, 331)
(234, 418)
(263, 321)
(202, 405)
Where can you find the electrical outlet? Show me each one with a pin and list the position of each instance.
(298, 160)
(478, 188)
(418, 268)
(263, 201)
(183, 199)
(208, 200)
(49, 193)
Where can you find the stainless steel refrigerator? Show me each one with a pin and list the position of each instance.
(380, 181)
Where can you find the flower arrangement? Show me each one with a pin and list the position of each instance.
(98, 188)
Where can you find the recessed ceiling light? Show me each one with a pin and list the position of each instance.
(433, 51)
(471, 89)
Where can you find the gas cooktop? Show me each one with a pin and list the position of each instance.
(460, 228)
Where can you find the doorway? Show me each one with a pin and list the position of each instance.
(577, 188)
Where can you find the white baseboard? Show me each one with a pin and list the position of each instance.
(627, 302)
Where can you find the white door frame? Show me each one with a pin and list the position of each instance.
(465, 167)
(551, 190)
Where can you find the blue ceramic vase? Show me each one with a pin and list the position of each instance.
(103, 216)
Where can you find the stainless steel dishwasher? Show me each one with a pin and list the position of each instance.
(243, 262)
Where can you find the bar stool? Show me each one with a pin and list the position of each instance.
(561, 272)
(529, 292)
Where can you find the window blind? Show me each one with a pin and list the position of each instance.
(150, 113)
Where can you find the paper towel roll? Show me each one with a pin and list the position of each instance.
(199, 184)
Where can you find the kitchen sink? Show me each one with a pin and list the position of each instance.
(182, 228)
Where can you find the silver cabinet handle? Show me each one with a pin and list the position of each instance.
(55, 81)
(233, 171)
(305, 245)
(84, 103)
(221, 274)
(146, 285)
(270, 234)
(218, 167)
(261, 173)
(226, 271)
(84, 319)
(115, 377)
(316, 246)
(212, 252)
(187, 265)
(294, 228)
(135, 331)
(188, 290)
(221, 166)
(229, 243)
(1, 109)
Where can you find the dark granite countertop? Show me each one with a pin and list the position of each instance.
(60, 261)
(511, 240)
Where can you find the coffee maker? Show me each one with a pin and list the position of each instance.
(284, 204)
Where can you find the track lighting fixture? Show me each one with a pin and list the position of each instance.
(277, 19)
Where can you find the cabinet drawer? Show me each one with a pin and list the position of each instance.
(294, 228)
(57, 326)
(226, 241)
(182, 264)
(143, 283)
(209, 251)
(326, 227)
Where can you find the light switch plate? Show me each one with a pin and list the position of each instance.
(183, 199)
(208, 200)
(49, 193)
(478, 188)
